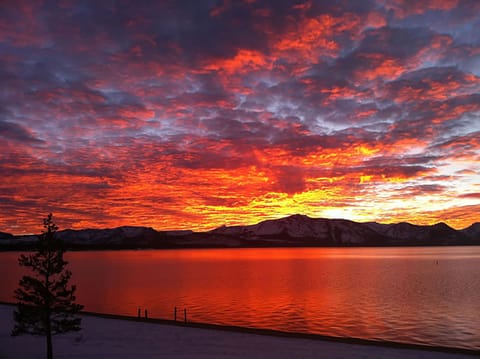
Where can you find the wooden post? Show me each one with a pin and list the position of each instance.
(175, 314)
(138, 312)
(185, 314)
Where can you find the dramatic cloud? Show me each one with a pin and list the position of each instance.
(194, 114)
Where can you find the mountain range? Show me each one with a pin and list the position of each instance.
(293, 231)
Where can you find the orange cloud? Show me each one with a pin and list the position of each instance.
(244, 61)
(379, 67)
(312, 38)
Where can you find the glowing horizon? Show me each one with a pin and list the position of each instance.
(193, 115)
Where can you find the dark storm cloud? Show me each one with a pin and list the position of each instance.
(16, 132)
(466, 145)
(186, 31)
(383, 52)
(431, 83)
(398, 43)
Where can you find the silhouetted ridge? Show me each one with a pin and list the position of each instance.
(294, 231)
(5, 235)
(472, 231)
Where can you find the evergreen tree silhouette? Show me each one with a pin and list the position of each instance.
(46, 304)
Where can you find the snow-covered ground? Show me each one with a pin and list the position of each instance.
(113, 338)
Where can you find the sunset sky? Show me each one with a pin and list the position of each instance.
(194, 114)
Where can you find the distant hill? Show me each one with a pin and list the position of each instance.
(292, 231)
(473, 231)
(4, 235)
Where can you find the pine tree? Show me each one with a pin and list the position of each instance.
(46, 304)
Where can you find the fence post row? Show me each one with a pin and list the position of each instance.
(139, 314)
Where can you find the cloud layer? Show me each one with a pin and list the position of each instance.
(194, 114)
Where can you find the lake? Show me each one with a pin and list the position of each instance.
(426, 295)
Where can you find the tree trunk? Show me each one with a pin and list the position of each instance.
(48, 327)
(48, 334)
(49, 346)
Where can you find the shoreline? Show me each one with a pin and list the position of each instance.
(279, 334)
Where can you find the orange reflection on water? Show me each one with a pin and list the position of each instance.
(401, 294)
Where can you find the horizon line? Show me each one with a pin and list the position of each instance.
(246, 225)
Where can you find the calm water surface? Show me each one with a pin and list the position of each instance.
(417, 295)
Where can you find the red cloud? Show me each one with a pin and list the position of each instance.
(243, 62)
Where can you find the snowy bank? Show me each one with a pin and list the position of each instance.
(114, 338)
